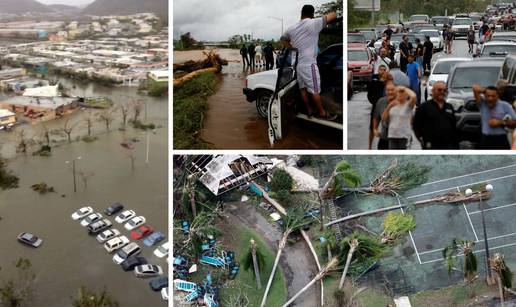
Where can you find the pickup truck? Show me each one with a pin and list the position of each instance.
(277, 96)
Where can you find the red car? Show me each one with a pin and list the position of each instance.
(360, 63)
(141, 232)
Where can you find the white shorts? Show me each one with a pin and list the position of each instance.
(308, 77)
(258, 56)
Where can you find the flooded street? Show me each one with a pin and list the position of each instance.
(69, 257)
(233, 123)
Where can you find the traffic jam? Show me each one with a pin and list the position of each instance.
(434, 82)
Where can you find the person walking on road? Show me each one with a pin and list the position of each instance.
(391, 50)
(269, 56)
(405, 50)
(380, 128)
(428, 51)
(399, 77)
(398, 115)
(388, 32)
(375, 91)
(258, 55)
(243, 53)
(471, 38)
(414, 75)
(304, 36)
(419, 52)
(434, 122)
(381, 60)
(448, 40)
(483, 29)
(251, 52)
(496, 115)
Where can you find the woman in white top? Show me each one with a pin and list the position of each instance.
(398, 115)
(258, 55)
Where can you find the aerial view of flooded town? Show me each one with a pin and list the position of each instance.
(83, 153)
(235, 80)
(349, 230)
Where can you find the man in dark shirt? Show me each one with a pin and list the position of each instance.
(484, 29)
(375, 91)
(434, 123)
(428, 51)
(391, 50)
(243, 52)
(388, 31)
(251, 52)
(471, 38)
(405, 50)
(269, 56)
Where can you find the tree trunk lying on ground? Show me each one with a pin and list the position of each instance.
(212, 63)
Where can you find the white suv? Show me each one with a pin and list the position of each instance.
(116, 243)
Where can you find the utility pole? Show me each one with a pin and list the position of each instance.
(372, 13)
(74, 181)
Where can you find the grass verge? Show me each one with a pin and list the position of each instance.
(190, 107)
(245, 280)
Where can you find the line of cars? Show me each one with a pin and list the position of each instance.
(126, 253)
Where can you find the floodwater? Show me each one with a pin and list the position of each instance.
(69, 257)
(234, 123)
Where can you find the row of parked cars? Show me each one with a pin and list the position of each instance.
(126, 253)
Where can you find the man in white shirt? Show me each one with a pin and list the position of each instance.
(304, 36)
(382, 59)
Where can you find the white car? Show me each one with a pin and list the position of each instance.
(107, 234)
(440, 71)
(116, 243)
(148, 270)
(162, 250)
(125, 252)
(79, 214)
(135, 222)
(91, 219)
(125, 216)
(435, 37)
(164, 294)
(461, 26)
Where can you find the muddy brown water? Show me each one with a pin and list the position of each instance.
(69, 257)
(234, 123)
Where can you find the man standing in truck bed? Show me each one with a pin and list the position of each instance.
(304, 36)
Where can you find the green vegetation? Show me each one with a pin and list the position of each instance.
(190, 107)
(137, 124)
(88, 298)
(245, 280)
(17, 291)
(281, 181)
(7, 179)
(187, 42)
(42, 188)
(465, 248)
(97, 103)
(44, 151)
(369, 247)
(372, 298)
(451, 296)
(397, 224)
(157, 89)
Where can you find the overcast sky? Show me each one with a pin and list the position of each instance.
(217, 20)
(67, 2)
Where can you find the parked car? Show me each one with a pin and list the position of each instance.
(141, 232)
(162, 250)
(369, 34)
(98, 226)
(283, 108)
(440, 71)
(360, 62)
(116, 243)
(107, 235)
(134, 222)
(435, 37)
(164, 294)
(153, 238)
(357, 38)
(130, 263)
(461, 25)
(440, 21)
(418, 19)
(29, 239)
(79, 214)
(91, 219)
(148, 270)
(114, 208)
(125, 216)
(159, 283)
(497, 49)
(509, 36)
(508, 70)
(127, 251)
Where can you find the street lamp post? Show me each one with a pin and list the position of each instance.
(488, 188)
(278, 19)
(73, 173)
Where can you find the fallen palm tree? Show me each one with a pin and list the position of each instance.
(212, 63)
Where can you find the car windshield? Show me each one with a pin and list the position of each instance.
(358, 55)
(475, 18)
(462, 22)
(356, 38)
(369, 35)
(464, 78)
(418, 18)
(440, 20)
(122, 254)
(444, 67)
(503, 37)
(430, 33)
(498, 49)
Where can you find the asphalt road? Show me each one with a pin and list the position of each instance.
(359, 108)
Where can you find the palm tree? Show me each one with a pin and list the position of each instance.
(294, 219)
(353, 244)
(190, 192)
(342, 175)
(87, 298)
(461, 247)
(256, 259)
(325, 270)
(503, 275)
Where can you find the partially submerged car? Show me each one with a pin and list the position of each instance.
(82, 212)
(277, 96)
(29, 239)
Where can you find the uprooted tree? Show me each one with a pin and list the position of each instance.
(212, 63)
(7, 179)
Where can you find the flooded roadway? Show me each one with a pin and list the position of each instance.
(233, 123)
(69, 257)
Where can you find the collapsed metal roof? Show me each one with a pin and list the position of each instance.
(222, 173)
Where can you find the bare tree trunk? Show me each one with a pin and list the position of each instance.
(352, 246)
(317, 277)
(500, 290)
(193, 206)
(255, 265)
(281, 246)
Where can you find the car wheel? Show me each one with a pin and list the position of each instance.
(262, 102)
